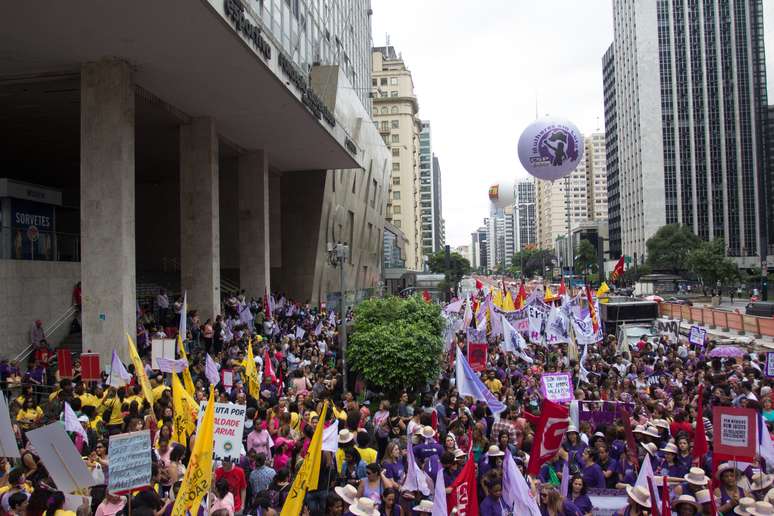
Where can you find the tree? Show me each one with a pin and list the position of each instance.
(459, 266)
(585, 257)
(396, 343)
(531, 262)
(668, 249)
(708, 261)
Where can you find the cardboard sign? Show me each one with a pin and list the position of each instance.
(227, 378)
(61, 458)
(162, 348)
(129, 462)
(8, 445)
(64, 361)
(697, 335)
(229, 424)
(769, 371)
(557, 387)
(90, 369)
(735, 433)
(668, 327)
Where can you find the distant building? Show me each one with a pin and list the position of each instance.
(480, 247)
(524, 219)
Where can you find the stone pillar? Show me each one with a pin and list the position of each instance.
(200, 217)
(254, 244)
(107, 208)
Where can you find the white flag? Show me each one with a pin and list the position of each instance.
(439, 498)
(183, 330)
(513, 342)
(211, 370)
(516, 495)
(71, 422)
(766, 446)
(300, 332)
(331, 437)
(119, 376)
(645, 476)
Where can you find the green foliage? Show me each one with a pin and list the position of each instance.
(585, 257)
(530, 262)
(459, 266)
(668, 249)
(708, 261)
(396, 343)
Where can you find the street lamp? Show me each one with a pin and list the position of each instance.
(337, 255)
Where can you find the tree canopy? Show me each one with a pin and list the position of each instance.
(530, 262)
(668, 249)
(585, 257)
(396, 343)
(459, 266)
(708, 261)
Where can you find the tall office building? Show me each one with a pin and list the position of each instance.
(439, 229)
(596, 177)
(524, 220)
(480, 247)
(395, 110)
(685, 100)
(429, 193)
(501, 236)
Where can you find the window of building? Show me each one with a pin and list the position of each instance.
(385, 125)
(396, 209)
(396, 195)
(395, 138)
(374, 82)
(396, 151)
(396, 222)
(394, 81)
(383, 94)
(393, 94)
(354, 184)
(395, 123)
(384, 81)
(394, 110)
(373, 193)
(385, 110)
(395, 166)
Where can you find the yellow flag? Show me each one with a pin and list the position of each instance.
(508, 304)
(186, 410)
(187, 380)
(309, 474)
(549, 296)
(198, 476)
(139, 372)
(497, 298)
(602, 292)
(253, 385)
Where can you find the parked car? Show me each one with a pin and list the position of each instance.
(760, 308)
(680, 301)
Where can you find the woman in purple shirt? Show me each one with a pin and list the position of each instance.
(592, 473)
(493, 504)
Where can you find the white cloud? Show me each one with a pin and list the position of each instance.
(478, 68)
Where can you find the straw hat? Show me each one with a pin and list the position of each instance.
(639, 494)
(670, 448)
(761, 481)
(761, 509)
(572, 428)
(364, 507)
(660, 423)
(685, 499)
(703, 496)
(348, 493)
(639, 429)
(459, 454)
(427, 432)
(744, 506)
(696, 477)
(651, 448)
(424, 506)
(652, 431)
(726, 466)
(494, 451)
(345, 436)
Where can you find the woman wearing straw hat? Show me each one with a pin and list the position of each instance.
(760, 485)
(695, 481)
(728, 492)
(744, 506)
(492, 460)
(761, 509)
(574, 446)
(364, 507)
(639, 502)
(669, 465)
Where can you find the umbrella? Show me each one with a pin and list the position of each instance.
(657, 299)
(726, 352)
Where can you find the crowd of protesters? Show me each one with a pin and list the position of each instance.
(383, 442)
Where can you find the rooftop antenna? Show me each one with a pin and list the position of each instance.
(598, 128)
(387, 38)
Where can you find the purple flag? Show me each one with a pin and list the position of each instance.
(469, 384)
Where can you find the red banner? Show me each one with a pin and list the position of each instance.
(477, 354)
(735, 434)
(90, 370)
(553, 423)
(464, 494)
(64, 361)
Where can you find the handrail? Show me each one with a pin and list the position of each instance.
(49, 330)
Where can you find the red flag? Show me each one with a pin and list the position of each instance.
(562, 288)
(521, 297)
(700, 446)
(554, 420)
(479, 285)
(666, 507)
(268, 371)
(618, 270)
(464, 495)
(655, 510)
(713, 502)
(426, 296)
(631, 444)
(266, 307)
(592, 310)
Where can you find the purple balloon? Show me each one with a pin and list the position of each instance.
(550, 148)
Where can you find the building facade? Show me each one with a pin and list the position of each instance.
(480, 248)
(439, 233)
(395, 109)
(685, 90)
(524, 219)
(428, 227)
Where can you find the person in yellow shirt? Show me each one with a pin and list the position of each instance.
(367, 453)
(113, 406)
(29, 415)
(493, 384)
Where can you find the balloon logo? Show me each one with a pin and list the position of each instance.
(550, 148)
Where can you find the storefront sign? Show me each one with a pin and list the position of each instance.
(32, 227)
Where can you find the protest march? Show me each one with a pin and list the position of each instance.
(537, 410)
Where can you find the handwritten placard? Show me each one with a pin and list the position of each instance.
(735, 433)
(129, 462)
(770, 364)
(557, 387)
(697, 335)
(229, 425)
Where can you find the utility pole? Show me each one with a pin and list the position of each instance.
(337, 255)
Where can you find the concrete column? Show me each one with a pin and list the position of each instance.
(107, 208)
(254, 244)
(200, 217)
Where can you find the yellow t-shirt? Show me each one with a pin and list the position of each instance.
(116, 416)
(29, 414)
(158, 390)
(494, 385)
(53, 394)
(295, 421)
(367, 454)
(89, 400)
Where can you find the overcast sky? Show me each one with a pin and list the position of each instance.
(478, 68)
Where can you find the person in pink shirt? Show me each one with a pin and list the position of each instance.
(111, 505)
(259, 439)
(283, 451)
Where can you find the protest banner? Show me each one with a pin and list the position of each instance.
(602, 412)
(557, 387)
(606, 502)
(62, 460)
(477, 349)
(735, 433)
(162, 348)
(227, 433)
(697, 335)
(769, 364)
(64, 363)
(668, 327)
(8, 446)
(90, 368)
(129, 462)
